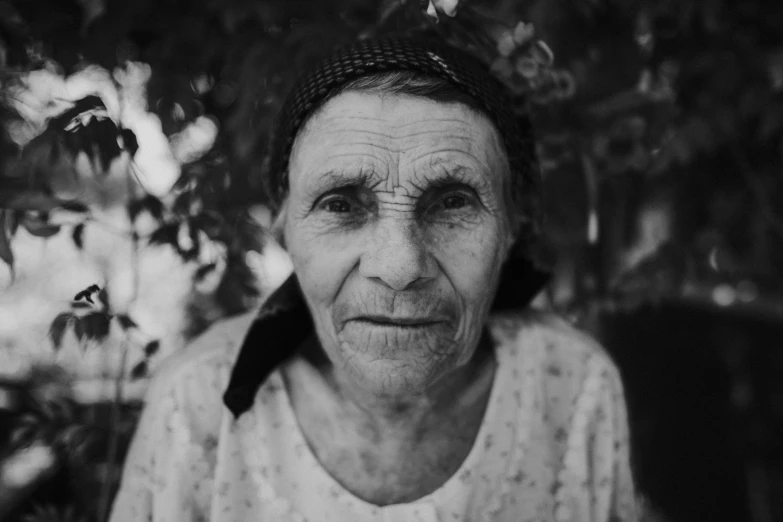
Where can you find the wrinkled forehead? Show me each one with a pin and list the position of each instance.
(396, 137)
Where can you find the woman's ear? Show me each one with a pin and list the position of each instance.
(278, 224)
(510, 239)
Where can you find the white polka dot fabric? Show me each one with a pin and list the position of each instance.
(553, 445)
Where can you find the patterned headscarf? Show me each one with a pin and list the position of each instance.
(284, 321)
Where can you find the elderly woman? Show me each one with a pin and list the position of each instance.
(398, 374)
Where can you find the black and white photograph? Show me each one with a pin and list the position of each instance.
(391, 261)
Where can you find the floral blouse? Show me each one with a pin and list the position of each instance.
(553, 444)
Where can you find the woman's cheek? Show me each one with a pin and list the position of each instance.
(321, 260)
(469, 256)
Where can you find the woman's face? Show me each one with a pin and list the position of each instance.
(397, 227)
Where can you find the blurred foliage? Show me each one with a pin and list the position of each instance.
(53, 448)
(42, 419)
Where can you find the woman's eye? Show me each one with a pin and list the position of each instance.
(339, 206)
(455, 201)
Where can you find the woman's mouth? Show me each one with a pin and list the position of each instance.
(399, 322)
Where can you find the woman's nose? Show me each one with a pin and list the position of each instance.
(397, 256)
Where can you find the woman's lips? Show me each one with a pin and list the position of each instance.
(399, 322)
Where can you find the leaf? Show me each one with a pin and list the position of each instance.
(165, 235)
(151, 348)
(86, 127)
(203, 270)
(96, 326)
(183, 202)
(25, 429)
(40, 228)
(78, 328)
(87, 293)
(188, 242)
(6, 254)
(139, 371)
(57, 330)
(90, 106)
(182, 183)
(149, 203)
(74, 206)
(14, 218)
(103, 297)
(209, 223)
(75, 440)
(77, 235)
(130, 143)
(126, 322)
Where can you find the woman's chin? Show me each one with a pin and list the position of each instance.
(393, 377)
(397, 361)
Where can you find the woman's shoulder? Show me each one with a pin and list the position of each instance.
(565, 363)
(195, 378)
(568, 374)
(552, 340)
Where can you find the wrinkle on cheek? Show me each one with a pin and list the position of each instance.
(472, 264)
(444, 228)
(299, 210)
(462, 240)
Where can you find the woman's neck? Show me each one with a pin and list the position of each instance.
(407, 417)
(390, 449)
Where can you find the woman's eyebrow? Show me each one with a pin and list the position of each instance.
(331, 179)
(445, 175)
(440, 176)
